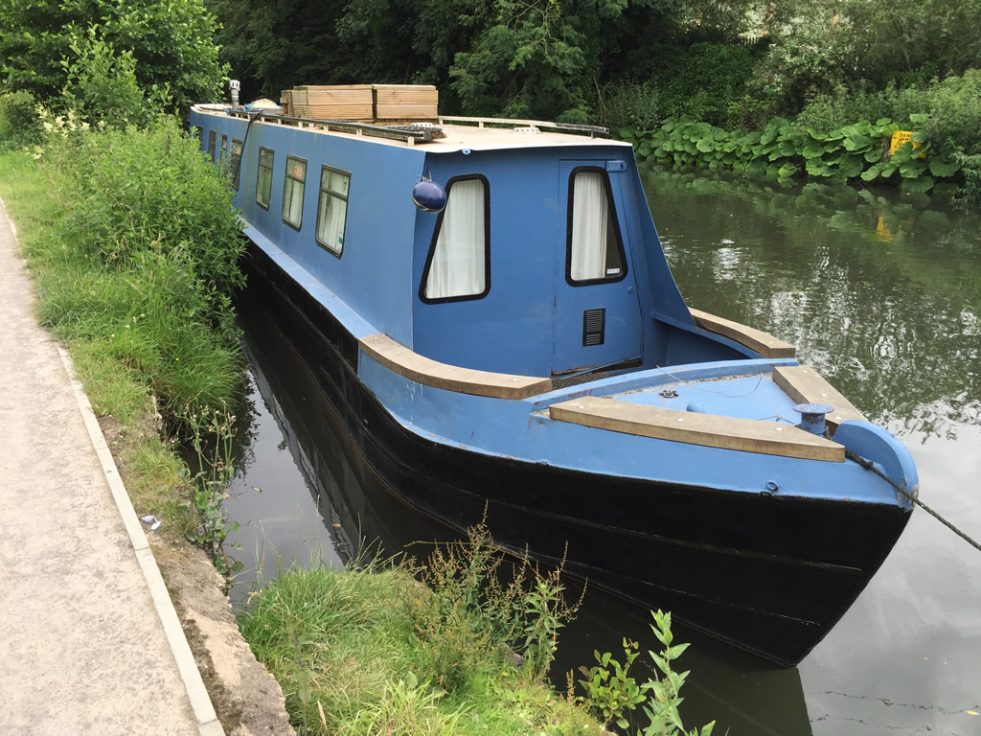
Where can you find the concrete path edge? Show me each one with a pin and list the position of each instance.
(204, 711)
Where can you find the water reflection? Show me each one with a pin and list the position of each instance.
(883, 297)
(880, 295)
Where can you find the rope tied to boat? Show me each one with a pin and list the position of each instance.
(869, 465)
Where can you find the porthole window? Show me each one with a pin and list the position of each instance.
(458, 262)
(332, 209)
(595, 250)
(293, 186)
(263, 182)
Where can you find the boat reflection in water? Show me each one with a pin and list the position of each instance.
(317, 504)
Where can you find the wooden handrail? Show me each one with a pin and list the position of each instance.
(421, 369)
(763, 343)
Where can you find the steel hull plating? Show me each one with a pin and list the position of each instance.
(768, 573)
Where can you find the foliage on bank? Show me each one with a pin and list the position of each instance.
(134, 249)
(944, 145)
(464, 650)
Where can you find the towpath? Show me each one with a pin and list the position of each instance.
(89, 641)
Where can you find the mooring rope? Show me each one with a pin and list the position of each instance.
(868, 465)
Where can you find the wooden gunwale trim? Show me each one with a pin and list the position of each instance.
(806, 386)
(421, 369)
(763, 343)
(710, 430)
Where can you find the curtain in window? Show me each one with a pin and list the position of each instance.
(458, 264)
(590, 227)
(333, 211)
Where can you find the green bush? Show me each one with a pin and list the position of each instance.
(146, 258)
(20, 124)
(102, 86)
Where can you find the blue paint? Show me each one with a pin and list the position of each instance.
(530, 321)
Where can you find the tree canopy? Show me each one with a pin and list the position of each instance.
(171, 41)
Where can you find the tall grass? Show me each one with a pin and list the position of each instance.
(377, 651)
(134, 247)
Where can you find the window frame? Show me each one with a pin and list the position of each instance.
(432, 246)
(236, 165)
(347, 202)
(287, 178)
(611, 203)
(259, 167)
(212, 144)
(222, 151)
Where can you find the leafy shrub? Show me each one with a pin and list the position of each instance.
(615, 694)
(632, 104)
(20, 124)
(102, 86)
(153, 258)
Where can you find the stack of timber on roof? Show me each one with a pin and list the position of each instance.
(362, 102)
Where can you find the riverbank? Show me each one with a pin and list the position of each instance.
(88, 627)
(72, 301)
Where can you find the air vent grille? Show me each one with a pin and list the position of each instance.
(593, 327)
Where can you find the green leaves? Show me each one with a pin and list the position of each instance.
(783, 150)
(615, 695)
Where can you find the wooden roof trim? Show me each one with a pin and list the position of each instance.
(763, 343)
(806, 386)
(421, 369)
(710, 430)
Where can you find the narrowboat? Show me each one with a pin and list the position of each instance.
(491, 314)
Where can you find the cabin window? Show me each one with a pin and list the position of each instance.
(212, 139)
(263, 182)
(235, 158)
(458, 259)
(293, 186)
(595, 250)
(332, 209)
(224, 148)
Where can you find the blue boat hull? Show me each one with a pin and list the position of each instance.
(770, 574)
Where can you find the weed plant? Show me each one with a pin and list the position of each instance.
(377, 651)
(134, 248)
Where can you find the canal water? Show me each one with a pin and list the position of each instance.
(882, 294)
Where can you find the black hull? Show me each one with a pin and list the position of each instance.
(767, 573)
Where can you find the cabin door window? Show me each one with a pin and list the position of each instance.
(457, 265)
(332, 209)
(595, 252)
(293, 186)
(263, 183)
(597, 319)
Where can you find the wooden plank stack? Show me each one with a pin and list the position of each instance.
(373, 103)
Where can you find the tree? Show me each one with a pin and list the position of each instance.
(171, 41)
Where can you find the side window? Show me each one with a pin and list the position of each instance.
(458, 263)
(332, 209)
(595, 250)
(235, 159)
(263, 182)
(223, 149)
(212, 137)
(296, 176)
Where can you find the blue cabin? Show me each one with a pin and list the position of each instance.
(524, 352)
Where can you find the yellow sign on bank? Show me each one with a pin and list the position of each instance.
(899, 138)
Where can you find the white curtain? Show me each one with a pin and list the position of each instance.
(293, 202)
(458, 264)
(590, 225)
(333, 213)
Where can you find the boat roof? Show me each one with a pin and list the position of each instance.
(447, 135)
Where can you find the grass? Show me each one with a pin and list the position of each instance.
(356, 654)
(147, 322)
